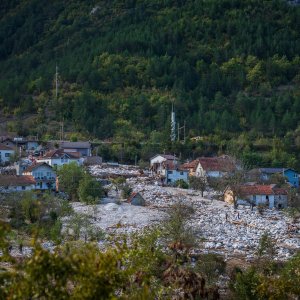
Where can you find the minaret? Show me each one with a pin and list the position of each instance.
(173, 125)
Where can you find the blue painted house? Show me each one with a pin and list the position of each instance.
(174, 174)
(291, 175)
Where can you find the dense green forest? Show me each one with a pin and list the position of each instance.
(231, 67)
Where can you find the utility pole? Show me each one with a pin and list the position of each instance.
(173, 125)
(179, 131)
(184, 132)
(61, 137)
(56, 83)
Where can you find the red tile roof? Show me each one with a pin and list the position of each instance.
(59, 153)
(32, 167)
(4, 147)
(223, 164)
(191, 165)
(11, 180)
(262, 190)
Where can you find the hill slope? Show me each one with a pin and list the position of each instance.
(230, 66)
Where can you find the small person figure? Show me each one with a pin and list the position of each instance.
(21, 247)
(226, 216)
(238, 215)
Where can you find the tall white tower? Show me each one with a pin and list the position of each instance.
(173, 125)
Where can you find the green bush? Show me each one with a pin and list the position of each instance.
(126, 191)
(89, 190)
(181, 184)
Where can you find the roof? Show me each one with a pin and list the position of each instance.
(58, 153)
(75, 145)
(274, 170)
(262, 190)
(223, 164)
(133, 195)
(176, 168)
(11, 180)
(166, 156)
(4, 147)
(271, 170)
(32, 167)
(191, 165)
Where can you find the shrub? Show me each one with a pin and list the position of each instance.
(181, 184)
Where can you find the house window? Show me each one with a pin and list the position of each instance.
(181, 173)
(7, 154)
(170, 172)
(295, 175)
(23, 188)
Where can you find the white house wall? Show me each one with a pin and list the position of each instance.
(18, 188)
(57, 162)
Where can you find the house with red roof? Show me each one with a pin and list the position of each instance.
(191, 167)
(58, 157)
(13, 183)
(43, 174)
(268, 195)
(215, 167)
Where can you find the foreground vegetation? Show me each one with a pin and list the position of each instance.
(154, 264)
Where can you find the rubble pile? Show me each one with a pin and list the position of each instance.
(223, 229)
(7, 170)
(105, 170)
(124, 218)
(239, 231)
(154, 194)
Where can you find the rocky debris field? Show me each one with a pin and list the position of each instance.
(223, 229)
(119, 218)
(107, 170)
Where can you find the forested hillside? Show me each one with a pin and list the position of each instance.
(231, 67)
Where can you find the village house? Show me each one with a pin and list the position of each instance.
(268, 195)
(174, 174)
(161, 162)
(265, 174)
(9, 142)
(82, 147)
(12, 183)
(5, 154)
(43, 174)
(57, 158)
(214, 167)
(191, 167)
(20, 143)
